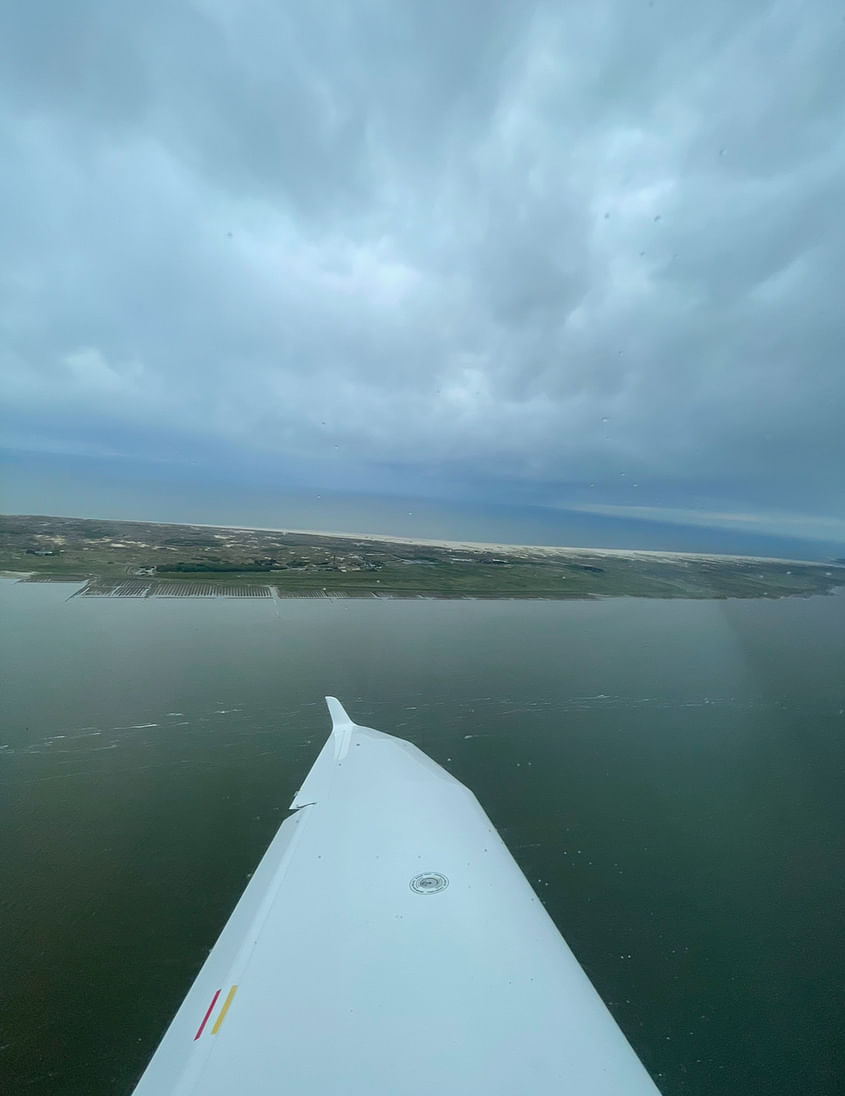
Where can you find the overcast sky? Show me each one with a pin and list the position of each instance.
(583, 253)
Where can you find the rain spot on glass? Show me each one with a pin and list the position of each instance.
(604, 418)
(659, 217)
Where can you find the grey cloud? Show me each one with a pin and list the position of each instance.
(529, 247)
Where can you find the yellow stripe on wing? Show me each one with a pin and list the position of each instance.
(229, 997)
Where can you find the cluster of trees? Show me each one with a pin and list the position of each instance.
(205, 566)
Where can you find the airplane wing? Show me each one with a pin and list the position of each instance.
(389, 945)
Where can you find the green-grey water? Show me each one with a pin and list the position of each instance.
(667, 774)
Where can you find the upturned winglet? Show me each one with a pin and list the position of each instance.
(338, 713)
(336, 747)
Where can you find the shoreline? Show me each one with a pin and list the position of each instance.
(550, 550)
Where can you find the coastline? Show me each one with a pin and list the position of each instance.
(547, 550)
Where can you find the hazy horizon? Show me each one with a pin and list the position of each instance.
(81, 488)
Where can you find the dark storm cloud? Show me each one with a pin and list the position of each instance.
(523, 248)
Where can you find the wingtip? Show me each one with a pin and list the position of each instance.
(338, 714)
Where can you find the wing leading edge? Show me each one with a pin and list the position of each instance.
(389, 944)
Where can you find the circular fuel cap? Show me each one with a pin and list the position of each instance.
(430, 882)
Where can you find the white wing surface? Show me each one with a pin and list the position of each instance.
(388, 945)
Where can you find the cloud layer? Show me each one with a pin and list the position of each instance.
(533, 252)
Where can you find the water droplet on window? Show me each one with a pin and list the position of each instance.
(658, 218)
(604, 418)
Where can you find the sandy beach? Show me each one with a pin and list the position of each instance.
(542, 550)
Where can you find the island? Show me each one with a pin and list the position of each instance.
(150, 559)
